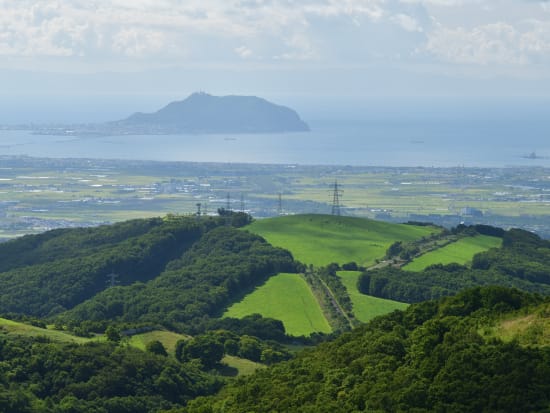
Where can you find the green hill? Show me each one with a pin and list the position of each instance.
(461, 252)
(322, 239)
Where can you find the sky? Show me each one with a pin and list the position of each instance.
(295, 51)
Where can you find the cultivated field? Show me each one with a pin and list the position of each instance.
(322, 239)
(461, 252)
(288, 298)
(366, 307)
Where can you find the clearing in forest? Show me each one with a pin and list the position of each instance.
(366, 307)
(461, 252)
(285, 297)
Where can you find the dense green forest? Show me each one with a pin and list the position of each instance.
(46, 274)
(44, 377)
(193, 288)
(429, 358)
(522, 262)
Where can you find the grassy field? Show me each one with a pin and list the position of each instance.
(240, 367)
(167, 338)
(322, 239)
(366, 307)
(285, 297)
(14, 327)
(460, 252)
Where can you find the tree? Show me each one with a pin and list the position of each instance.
(113, 334)
(156, 347)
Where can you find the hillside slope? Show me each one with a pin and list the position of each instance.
(427, 358)
(322, 239)
(45, 274)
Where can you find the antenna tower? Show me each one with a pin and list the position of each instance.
(336, 195)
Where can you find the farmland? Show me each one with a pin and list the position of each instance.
(460, 252)
(37, 194)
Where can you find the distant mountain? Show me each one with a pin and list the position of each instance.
(204, 113)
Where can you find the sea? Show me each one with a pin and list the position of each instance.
(449, 136)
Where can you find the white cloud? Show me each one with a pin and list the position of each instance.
(407, 22)
(495, 43)
(335, 32)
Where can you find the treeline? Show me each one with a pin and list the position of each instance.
(37, 376)
(522, 262)
(194, 288)
(427, 358)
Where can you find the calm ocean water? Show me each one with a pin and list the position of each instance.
(381, 142)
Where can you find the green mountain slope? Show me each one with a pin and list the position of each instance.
(48, 273)
(522, 262)
(427, 358)
(195, 287)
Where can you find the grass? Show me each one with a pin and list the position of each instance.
(240, 367)
(461, 252)
(366, 307)
(288, 298)
(167, 338)
(322, 239)
(531, 329)
(21, 329)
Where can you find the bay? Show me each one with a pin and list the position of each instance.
(382, 142)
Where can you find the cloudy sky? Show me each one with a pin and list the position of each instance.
(305, 47)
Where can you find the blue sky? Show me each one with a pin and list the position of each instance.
(308, 48)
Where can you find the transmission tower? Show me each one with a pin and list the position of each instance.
(336, 195)
(228, 202)
(198, 210)
(242, 202)
(112, 279)
(280, 205)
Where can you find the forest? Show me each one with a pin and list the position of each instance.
(178, 274)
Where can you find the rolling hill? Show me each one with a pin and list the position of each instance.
(323, 239)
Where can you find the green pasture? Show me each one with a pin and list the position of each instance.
(288, 298)
(322, 239)
(167, 338)
(366, 307)
(22, 329)
(241, 367)
(461, 252)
